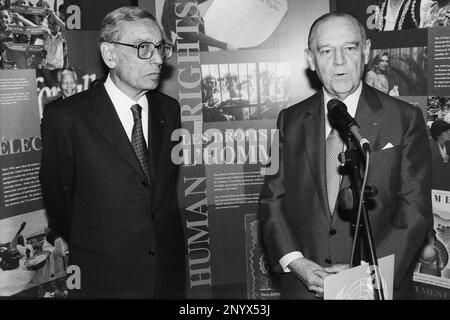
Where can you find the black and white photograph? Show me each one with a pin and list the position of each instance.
(32, 36)
(395, 15)
(33, 264)
(251, 91)
(438, 108)
(223, 25)
(398, 71)
(237, 152)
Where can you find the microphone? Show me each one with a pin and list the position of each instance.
(344, 123)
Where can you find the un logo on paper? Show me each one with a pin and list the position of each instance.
(363, 288)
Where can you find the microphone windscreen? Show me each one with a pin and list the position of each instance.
(334, 104)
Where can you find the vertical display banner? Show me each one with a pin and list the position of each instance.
(410, 60)
(20, 145)
(237, 65)
(21, 202)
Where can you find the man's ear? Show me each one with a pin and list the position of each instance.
(310, 59)
(108, 55)
(366, 51)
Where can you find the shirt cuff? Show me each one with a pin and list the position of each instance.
(288, 258)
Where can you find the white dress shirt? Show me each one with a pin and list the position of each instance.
(443, 150)
(122, 103)
(352, 103)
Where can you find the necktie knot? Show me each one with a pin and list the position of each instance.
(136, 109)
(334, 134)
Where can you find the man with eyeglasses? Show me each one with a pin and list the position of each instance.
(107, 179)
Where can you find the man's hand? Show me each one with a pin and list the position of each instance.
(230, 47)
(336, 268)
(310, 273)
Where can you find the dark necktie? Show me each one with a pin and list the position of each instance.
(138, 140)
(334, 146)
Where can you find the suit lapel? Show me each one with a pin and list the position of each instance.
(313, 131)
(369, 115)
(106, 121)
(156, 123)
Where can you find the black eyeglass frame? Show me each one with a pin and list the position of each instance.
(156, 47)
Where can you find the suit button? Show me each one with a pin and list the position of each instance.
(328, 261)
(144, 183)
(332, 232)
(151, 253)
(153, 216)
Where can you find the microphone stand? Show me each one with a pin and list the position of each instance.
(352, 161)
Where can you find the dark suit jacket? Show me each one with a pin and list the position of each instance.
(436, 153)
(293, 203)
(124, 233)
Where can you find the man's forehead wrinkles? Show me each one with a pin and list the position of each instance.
(142, 29)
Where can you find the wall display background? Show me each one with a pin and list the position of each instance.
(230, 93)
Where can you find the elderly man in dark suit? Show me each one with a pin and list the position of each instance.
(107, 177)
(305, 236)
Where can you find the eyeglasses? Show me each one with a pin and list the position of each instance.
(146, 49)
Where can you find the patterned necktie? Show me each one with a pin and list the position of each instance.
(334, 146)
(138, 140)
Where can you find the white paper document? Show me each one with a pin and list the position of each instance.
(358, 283)
(244, 23)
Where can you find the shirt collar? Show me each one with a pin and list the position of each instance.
(351, 102)
(121, 101)
(58, 35)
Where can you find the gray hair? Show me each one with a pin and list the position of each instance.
(61, 72)
(324, 18)
(110, 28)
